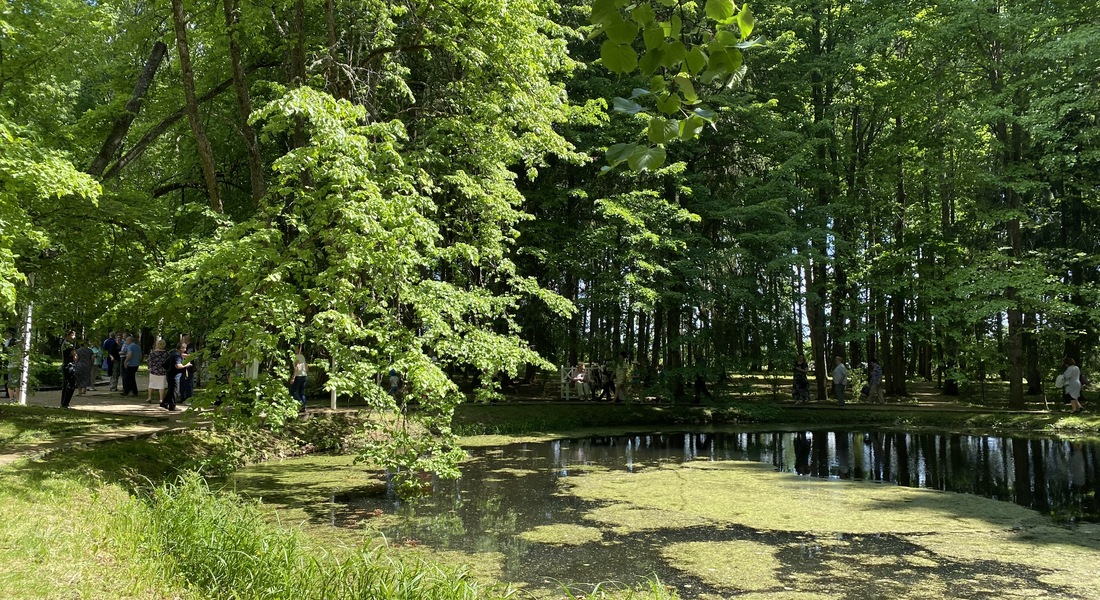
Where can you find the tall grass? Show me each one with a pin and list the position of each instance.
(223, 547)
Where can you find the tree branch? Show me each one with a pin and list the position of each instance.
(158, 130)
(126, 119)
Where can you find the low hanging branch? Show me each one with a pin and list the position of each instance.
(206, 154)
(126, 119)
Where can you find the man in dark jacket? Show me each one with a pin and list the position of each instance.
(111, 349)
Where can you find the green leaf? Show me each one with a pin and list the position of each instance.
(620, 31)
(691, 127)
(658, 84)
(639, 92)
(653, 36)
(696, 60)
(643, 14)
(662, 131)
(726, 38)
(603, 11)
(618, 58)
(623, 105)
(669, 104)
(687, 88)
(675, 26)
(650, 61)
(620, 152)
(719, 10)
(736, 60)
(645, 159)
(706, 114)
(674, 54)
(745, 20)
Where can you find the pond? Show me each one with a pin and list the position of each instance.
(720, 513)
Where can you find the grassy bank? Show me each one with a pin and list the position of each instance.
(136, 519)
(560, 418)
(21, 425)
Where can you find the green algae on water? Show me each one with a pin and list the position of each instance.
(564, 534)
(740, 565)
(756, 496)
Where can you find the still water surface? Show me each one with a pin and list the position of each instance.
(486, 509)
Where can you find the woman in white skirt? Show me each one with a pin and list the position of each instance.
(1071, 379)
(158, 371)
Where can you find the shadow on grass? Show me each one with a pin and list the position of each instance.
(35, 424)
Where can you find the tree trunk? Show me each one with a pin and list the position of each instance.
(895, 380)
(122, 125)
(206, 154)
(1031, 348)
(244, 104)
(815, 308)
(298, 74)
(658, 333)
(674, 364)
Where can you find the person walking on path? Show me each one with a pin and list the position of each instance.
(68, 343)
(622, 378)
(876, 394)
(131, 360)
(840, 380)
(112, 348)
(1071, 379)
(801, 380)
(158, 372)
(68, 377)
(177, 365)
(298, 374)
(97, 360)
(84, 358)
(187, 381)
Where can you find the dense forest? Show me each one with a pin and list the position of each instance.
(491, 186)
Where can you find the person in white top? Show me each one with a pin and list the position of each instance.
(1071, 379)
(298, 378)
(840, 380)
(580, 379)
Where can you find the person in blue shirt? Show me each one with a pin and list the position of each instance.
(131, 361)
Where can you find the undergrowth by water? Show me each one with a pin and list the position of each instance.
(224, 547)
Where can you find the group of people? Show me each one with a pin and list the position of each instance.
(1070, 382)
(171, 373)
(606, 382)
(875, 391)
